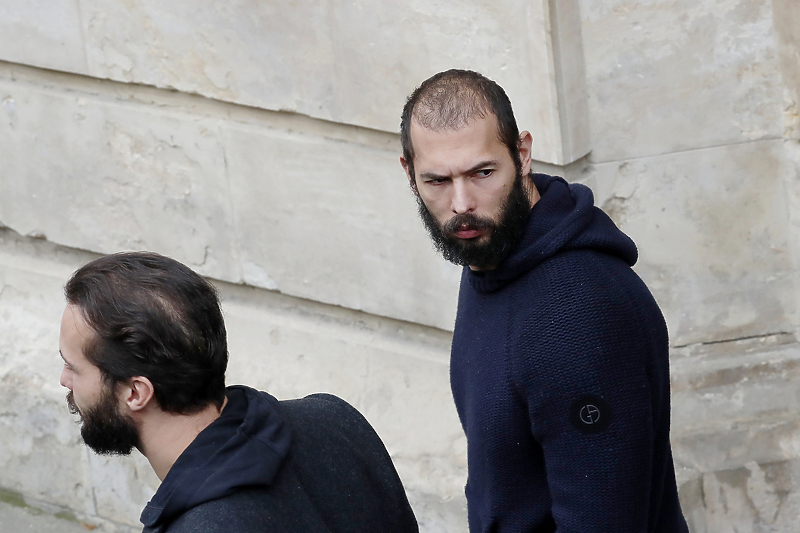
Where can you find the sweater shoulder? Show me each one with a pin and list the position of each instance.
(331, 413)
(231, 513)
(581, 308)
(576, 283)
(278, 509)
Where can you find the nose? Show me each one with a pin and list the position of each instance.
(463, 197)
(66, 378)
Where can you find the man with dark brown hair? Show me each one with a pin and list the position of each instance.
(145, 351)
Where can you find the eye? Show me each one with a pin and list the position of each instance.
(436, 181)
(66, 365)
(484, 172)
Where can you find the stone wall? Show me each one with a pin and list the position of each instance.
(693, 109)
(256, 142)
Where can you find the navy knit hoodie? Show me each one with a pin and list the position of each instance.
(310, 465)
(245, 446)
(560, 374)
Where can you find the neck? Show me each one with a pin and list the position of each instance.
(165, 436)
(531, 191)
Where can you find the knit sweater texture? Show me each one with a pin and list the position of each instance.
(560, 375)
(308, 465)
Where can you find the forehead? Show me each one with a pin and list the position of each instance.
(75, 333)
(478, 139)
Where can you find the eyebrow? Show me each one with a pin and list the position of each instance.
(482, 164)
(64, 359)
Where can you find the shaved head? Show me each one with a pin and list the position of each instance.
(453, 99)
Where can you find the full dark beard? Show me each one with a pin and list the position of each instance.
(505, 232)
(105, 429)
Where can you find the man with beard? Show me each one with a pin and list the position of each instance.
(559, 362)
(145, 353)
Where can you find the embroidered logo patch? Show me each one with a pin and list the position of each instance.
(590, 414)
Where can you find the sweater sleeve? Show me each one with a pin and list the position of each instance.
(583, 369)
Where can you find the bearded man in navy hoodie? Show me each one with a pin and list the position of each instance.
(145, 353)
(559, 363)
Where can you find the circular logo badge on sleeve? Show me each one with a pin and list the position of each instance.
(590, 414)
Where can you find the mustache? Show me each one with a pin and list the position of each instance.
(467, 221)
(73, 407)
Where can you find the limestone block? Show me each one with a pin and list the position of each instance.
(39, 438)
(793, 190)
(314, 210)
(334, 222)
(104, 176)
(787, 28)
(44, 34)
(568, 80)
(736, 434)
(282, 351)
(437, 516)
(711, 229)
(346, 62)
(732, 409)
(755, 497)
(690, 494)
(680, 75)
(121, 486)
(257, 53)
(792, 151)
(408, 400)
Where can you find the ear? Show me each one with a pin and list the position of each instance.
(137, 393)
(411, 181)
(524, 145)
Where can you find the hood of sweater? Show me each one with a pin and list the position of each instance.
(565, 218)
(245, 446)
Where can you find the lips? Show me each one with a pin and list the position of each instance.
(467, 233)
(467, 226)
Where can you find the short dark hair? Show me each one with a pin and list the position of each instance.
(453, 99)
(154, 317)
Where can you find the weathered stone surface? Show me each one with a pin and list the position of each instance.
(753, 498)
(569, 82)
(21, 516)
(750, 398)
(44, 34)
(337, 61)
(105, 176)
(334, 222)
(316, 215)
(787, 29)
(680, 75)
(710, 226)
(792, 150)
(736, 434)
